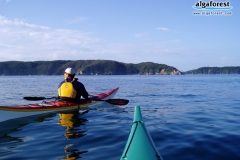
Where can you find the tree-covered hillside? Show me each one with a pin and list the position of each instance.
(215, 70)
(85, 67)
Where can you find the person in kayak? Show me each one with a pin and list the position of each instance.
(71, 89)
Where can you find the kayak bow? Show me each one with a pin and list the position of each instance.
(139, 145)
(12, 112)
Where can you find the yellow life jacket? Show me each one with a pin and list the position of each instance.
(66, 90)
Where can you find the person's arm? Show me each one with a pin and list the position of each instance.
(84, 92)
(81, 90)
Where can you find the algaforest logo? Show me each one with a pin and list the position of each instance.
(212, 8)
(200, 5)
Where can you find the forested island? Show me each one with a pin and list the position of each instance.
(215, 70)
(102, 67)
(85, 67)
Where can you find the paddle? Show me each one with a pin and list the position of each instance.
(37, 98)
(111, 101)
(114, 101)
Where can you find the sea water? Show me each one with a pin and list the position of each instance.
(188, 117)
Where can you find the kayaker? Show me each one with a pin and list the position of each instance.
(71, 89)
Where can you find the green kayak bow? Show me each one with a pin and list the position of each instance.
(139, 145)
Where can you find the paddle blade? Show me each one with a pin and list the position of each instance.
(117, 101)
(38, 98)
(34, 98)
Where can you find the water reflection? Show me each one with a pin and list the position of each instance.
(72, 122)
(73, 154)
(14, 125)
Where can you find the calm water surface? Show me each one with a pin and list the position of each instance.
(189, 117)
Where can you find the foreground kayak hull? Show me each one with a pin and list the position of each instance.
(139, 145)
(13, 112)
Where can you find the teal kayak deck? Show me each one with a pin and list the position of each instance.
(139, 145)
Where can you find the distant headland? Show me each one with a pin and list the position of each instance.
(102, 67)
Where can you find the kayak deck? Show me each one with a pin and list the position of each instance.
(139, 145)
(11, 112)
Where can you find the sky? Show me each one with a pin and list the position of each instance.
(129, 31)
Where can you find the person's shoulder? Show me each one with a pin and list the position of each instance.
(61, 83)
(80, 83)
(75, 81)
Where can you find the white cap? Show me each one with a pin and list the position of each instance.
(70, 71)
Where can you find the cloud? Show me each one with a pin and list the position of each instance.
(30, 42)
(24, 41)
(162, 29)
(138, 35)
(5, 1)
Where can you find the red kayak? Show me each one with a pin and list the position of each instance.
(18, 111)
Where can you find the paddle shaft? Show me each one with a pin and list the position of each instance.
(111, 101)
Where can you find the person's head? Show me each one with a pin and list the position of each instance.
(69, 73)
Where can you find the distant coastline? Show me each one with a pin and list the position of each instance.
(102, 67)
(215, 70)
